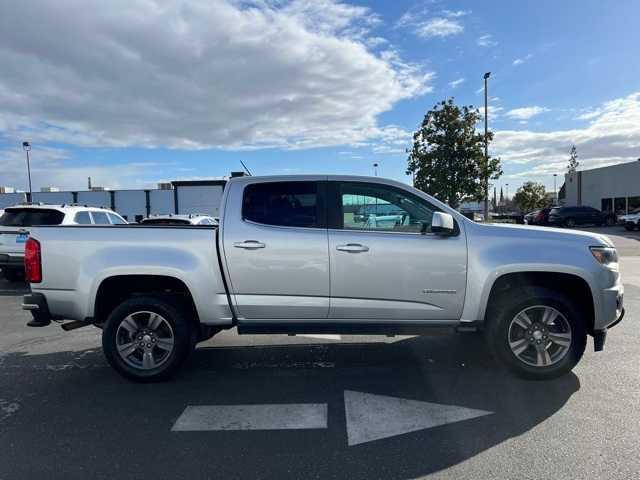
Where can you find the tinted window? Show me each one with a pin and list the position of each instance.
(26, 217)
(287, 204)
(383, 208)
(100, 218)
(82, 218)
(115, 219)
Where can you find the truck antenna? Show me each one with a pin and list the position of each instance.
(245, 168)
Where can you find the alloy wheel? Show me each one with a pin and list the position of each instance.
(144, 340)
(539, 336)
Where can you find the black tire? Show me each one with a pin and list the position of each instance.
(13, 274)
(569, 222)
(182, 330)
(499, 319)
(610, 221)
(628, 228)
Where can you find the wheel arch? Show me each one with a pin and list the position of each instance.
(113, 290)
(570, 284)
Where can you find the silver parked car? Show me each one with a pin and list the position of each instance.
(301, 254)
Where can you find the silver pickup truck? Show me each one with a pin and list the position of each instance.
(326, 254)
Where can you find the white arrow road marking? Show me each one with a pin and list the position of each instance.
(372, 417)
(322, 336)
(293, 416)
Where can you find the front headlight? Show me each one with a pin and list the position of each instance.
(607, 256)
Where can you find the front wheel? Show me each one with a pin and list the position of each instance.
(569, 223)
(147, 339)
(537, 333)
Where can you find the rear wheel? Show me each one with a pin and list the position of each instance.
(610, 221)
(537, 333)
(147, 338)
(570, 222)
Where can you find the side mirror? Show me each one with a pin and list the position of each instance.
(442, 224)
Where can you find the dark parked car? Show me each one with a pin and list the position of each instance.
(572, 216)
(538, 217)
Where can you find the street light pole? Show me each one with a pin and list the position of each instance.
(486, 148)
(26, 146)
(375, 169)
(507, 198)
(555, 192)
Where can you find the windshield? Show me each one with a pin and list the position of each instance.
(26, 217)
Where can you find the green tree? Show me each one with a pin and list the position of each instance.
(447, 158)
(573, 159)
(530, 196)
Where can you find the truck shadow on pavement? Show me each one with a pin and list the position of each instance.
(108, 426)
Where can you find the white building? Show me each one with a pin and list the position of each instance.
(614, 188)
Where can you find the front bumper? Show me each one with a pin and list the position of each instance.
(600, 336)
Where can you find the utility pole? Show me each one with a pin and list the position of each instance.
(507, 185)
(375, 169)
(486, 149)
(26, 146)
(555, 193)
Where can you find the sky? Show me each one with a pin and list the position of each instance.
(135, 92)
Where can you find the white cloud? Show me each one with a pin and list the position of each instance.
(486, 41)
(439, 27)
(589, 114)
(455, 13)
(525, 113)
(456, 83)
(520, 61)
(493, 111)
(196, 74)
(613, 137)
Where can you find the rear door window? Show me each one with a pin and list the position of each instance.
(100, 218)
(285, 204)
(82, 218)
(26, 217)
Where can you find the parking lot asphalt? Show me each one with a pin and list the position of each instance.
(64, 413)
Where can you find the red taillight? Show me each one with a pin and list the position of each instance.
(32, 261)
(540, 216)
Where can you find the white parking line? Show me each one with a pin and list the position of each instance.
(292, 416)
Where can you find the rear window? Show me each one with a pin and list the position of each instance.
(286, 204)
(26, 217)
(115, 219)
(165, 221)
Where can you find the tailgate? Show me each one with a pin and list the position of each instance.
(12, 239)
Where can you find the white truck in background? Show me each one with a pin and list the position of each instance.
(303, 254)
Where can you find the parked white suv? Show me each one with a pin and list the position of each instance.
(181, 219)
(631, 221)
(14, 223)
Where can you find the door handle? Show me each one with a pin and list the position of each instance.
(352, 248)
(249, 244)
